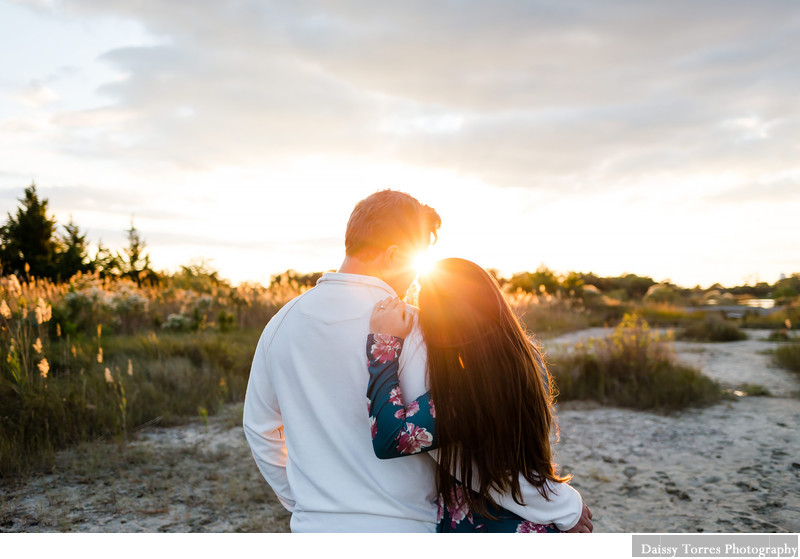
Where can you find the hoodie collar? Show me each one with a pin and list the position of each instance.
(356, 279)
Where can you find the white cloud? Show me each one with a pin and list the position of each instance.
(517, 93)
(566, 104)
(36, 96)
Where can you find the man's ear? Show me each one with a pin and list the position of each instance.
(391, 255)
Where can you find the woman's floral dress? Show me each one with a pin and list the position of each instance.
(400, 430)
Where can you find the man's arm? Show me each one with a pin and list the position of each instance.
(263, 424)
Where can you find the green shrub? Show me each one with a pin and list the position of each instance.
(81, 360)
(667, 315)
(142, 379)
(787, 356)
(712, 329)
(748, 389)
(547, 316)
(787, 317)
(633, 367)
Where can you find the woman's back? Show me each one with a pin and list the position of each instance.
(486, 380)
(491, 420)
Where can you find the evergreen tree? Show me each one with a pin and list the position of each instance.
(135, 263)
(28, 239)
(106, 262)
(72, 257)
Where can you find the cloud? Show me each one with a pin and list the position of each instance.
(573, 96)
(772, 191)
(81, 198)
(36, 96)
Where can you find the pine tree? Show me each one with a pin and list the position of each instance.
(135, 263)
(106, 262)
(28, 239)
(72, 252)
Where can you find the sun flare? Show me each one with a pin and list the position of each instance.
(423, 262)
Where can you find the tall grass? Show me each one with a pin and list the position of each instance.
(548, 316)
(97, 358)
(712, 329)
(634, 367)
(775, 320)
(787, 356)
(665, 315)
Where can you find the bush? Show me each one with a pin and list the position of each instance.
(787, 317)
(667, 315)
(141, 379)
(748, 389)
(547, 316)
(633, 367)
(787, 356)
(779, 336)
(712, 329)
(81, 360)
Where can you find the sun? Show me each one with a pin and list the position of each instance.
(423, 262)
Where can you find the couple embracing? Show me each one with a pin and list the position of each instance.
(365, 414)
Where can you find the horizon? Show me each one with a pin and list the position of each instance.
(658, 140)
(434, 253)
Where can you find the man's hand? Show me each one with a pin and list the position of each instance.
(391, 317)
(584, 525)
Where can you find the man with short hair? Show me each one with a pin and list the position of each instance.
(305, 413)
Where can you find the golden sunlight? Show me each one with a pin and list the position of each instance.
(423, 262)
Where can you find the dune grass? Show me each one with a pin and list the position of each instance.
(712, 329)
(143, 379)
(787, 356)
(635, 368)
(96, 358)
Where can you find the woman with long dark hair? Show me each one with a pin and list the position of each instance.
(488, 410)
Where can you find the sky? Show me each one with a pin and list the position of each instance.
(656, 138)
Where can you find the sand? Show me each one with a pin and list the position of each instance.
(731, 467)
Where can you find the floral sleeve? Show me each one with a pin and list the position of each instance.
(397, 429)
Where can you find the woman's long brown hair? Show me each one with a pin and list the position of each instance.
(493, 414)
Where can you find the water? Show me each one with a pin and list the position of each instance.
(759, 303)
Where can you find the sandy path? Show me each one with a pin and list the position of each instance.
(730, 363)
(194, 478)
(732, 467)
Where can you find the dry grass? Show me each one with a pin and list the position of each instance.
(205, 482)
(91, 359)
(787, 356)
(635, 368)
(712, 329)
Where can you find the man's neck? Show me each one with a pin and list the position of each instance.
(352, 265)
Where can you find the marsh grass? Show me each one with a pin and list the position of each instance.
(664, 315)
(749, 389)
(98, 358)
(780, 336)
(787, 317)
(547, 316)
(150, 378)
(787, 356)
(204, 481)
(712, 329)
(634, 367)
